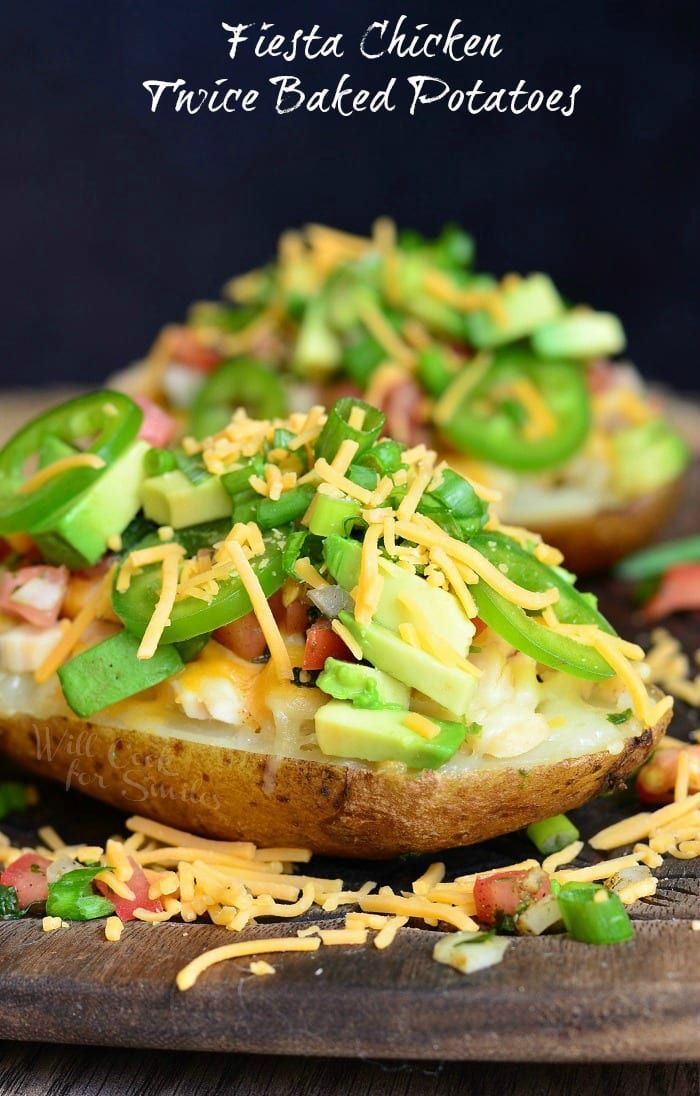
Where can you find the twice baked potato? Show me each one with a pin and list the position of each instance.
(503, 374)
(298, 631)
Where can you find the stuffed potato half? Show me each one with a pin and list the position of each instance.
(298, 630)
(504, 377)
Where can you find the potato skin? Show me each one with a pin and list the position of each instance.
(593, 543)
(328, 807)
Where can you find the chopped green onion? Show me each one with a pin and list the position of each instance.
(13, 797)
(458, 495)
(293, 548)
(361, 358)
(272, 513)
(552, 834)
(385, 458)
(653, 561)
(192, 466)
(239, 478)
(71, 897)
(158, 461)
(337, 428)
(245, 506)
(282, 438)
(592, 919)
(434, 370)
(330, 515)
(363, 477)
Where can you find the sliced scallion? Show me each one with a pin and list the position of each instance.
(337, 428)
(593, 915)
(552, 834)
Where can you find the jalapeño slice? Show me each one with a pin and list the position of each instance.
(107, 421)
(494, 419)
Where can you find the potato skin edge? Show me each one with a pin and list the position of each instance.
(328, 807)
(594, 543)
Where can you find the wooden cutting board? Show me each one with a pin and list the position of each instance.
(550, 1000)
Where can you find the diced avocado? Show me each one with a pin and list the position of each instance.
(365, 686)
(174, 500)
(111, 671)
(345, 731)
(448, 685)
(582, 334)
(444, 613)
(527, 304)
(80, 535)
(646, 456)
(317, 351)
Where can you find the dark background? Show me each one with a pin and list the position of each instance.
(114, 219)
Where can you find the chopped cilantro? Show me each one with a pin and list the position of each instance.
(619, 717)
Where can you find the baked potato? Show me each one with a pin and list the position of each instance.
(298, 631)
(503, 375)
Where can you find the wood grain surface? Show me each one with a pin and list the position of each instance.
(423, 1027)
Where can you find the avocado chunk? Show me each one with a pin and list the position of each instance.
(365, 686)
(581, 334)
(527, 304)
(172, 499)
(446, 616)
(345, 731)
(111, 671)
(80, 536)
(448, 685)
(647, 456)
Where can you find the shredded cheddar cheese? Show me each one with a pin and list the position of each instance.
(278, 650)
(113, 929)
(189, 974)
(421, 725)
(172, 554)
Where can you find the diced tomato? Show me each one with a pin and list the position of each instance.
(679, 591)
(656, 779)
(244, 637)
(601, 376)
(27, 875)
(158, 427)
(292, 619)
(506, 893)
(479, 626)
(322, 643)
(296, 617)
(183, 346)
(404, 407)
(34, 594)
(124, 907)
